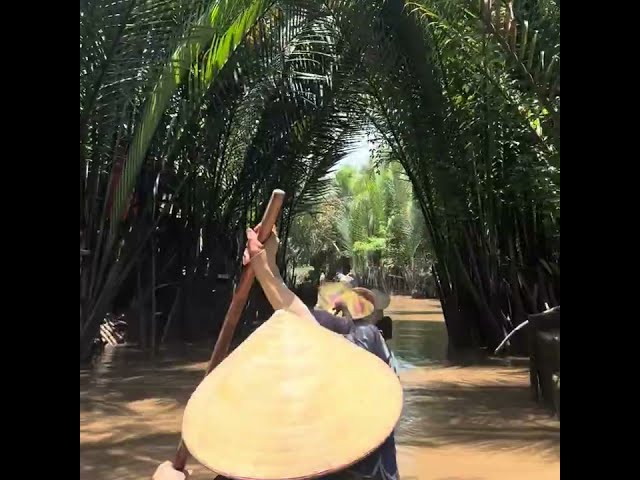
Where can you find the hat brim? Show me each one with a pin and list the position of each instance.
(330, 294)
(293, 401)
(380, 299)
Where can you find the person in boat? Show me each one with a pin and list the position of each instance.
(381, 463)
(348, 279)
(333, 322)
(380, 301)
(377, 298)
(340, 321)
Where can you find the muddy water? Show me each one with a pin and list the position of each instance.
(474, 423)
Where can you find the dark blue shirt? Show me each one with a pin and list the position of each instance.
(381, 464)
(332, 322)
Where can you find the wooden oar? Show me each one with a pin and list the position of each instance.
(238, 302)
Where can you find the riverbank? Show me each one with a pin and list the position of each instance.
(474, 423)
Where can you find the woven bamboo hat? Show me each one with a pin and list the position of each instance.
(359, 305)
(379, 299)
(293, 401)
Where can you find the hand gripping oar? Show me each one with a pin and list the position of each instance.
(238, 302)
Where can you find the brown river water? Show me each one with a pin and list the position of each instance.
(471, 423)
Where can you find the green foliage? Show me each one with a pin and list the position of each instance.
(192, 111)
(371, 222)
(190, 114)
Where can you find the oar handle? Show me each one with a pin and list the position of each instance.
(238, 302)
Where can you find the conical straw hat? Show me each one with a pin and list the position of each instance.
(380, 299)
(293, 401)
(359, 306)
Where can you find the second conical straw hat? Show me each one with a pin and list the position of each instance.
(359, 307)
(293, 401)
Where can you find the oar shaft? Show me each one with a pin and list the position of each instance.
(238, 302)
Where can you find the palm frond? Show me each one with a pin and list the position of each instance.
(218, 31)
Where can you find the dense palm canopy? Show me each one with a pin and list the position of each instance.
(192, 111)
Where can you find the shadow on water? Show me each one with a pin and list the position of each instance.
(494, 417)
(131, 409)
(485, 405)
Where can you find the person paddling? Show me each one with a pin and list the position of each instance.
(294, 400)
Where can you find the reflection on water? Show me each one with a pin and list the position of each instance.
(457, 423)
(418, 343)
(486, 404)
